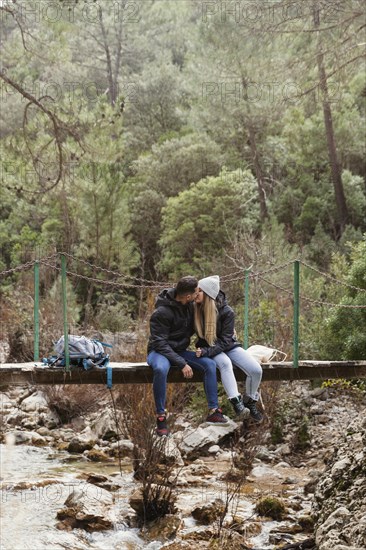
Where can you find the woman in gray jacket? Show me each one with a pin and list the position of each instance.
(214, 325)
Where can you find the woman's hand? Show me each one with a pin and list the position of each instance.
(198, 352)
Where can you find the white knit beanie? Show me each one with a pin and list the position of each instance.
(210, 286)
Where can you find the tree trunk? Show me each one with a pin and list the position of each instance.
(254, 154)
(112, 91)
(91, 286)
(329, 130)
(88, 304)
(258, 173)
(141, 293)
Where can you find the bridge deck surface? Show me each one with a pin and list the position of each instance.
(141, 373)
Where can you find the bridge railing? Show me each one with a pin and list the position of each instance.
(242, 275)
(296, 310)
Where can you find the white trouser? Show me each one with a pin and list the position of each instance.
(244, 361)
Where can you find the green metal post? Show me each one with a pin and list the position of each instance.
(246, 309)
(64, 309)
(296, 312)
(36, 311)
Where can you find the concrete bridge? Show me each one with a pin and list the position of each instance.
(140, 373)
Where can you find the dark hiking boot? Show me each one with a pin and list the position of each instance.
(161, 425)
(216, 418)
(239, 407)
(252, 406)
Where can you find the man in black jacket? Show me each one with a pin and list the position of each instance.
(171, 328)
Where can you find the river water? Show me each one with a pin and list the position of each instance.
(35, 485)
(35, 482)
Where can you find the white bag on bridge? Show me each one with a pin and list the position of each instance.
(263, 354)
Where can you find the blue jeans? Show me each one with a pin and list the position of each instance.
(161, 366)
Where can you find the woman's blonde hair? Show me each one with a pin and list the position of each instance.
(205, 317)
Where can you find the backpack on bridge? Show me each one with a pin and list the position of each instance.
(83, 352)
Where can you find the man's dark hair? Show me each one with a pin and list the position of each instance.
(186, 285)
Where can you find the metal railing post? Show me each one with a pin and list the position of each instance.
(296, 312)
(64, 309)
(246, 309)
(36, 312)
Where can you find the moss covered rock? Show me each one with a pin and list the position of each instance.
(271, 507)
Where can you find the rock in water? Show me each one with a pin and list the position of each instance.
(88, 507)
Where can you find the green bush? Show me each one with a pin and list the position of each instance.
(271, 507)
(302, 438)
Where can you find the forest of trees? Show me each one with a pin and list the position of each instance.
(157, 138)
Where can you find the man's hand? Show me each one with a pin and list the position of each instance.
(198, 352)
(187, 371)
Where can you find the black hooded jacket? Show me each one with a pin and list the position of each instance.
(171, 327)
(226, 339)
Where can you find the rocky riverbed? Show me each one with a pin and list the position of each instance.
(308, 461)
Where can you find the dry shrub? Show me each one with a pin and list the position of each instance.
(234, 481)
(154, 471)
(245, 445)
(274, 406)
(17, 313)
(16, 316)
(246, 442)
(2, 426)
(137, 403)
(71, 401)
(141, 344)
(243, 451)
(16, 319)
(301, 439)
(271, 397)
(152, 467)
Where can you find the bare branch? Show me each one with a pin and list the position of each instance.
(332, 73)
(58, 127)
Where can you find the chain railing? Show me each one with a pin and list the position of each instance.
(58, 262)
